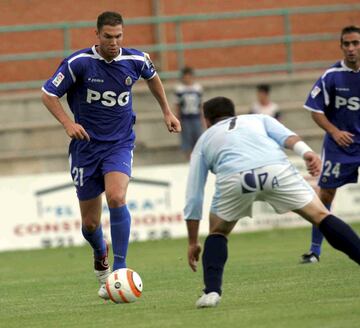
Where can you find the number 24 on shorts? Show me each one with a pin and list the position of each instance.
(331, 169)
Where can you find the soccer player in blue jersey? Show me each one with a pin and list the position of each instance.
(334, 103)
(98, 83)
(245, 153)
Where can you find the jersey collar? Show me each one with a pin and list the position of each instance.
(97, 55)
(343, 65)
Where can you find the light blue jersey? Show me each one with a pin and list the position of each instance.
(233, 145)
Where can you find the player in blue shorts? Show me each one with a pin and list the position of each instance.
(245, 153)
(98, 83)
(334, 103)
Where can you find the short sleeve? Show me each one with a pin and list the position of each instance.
(148, 70)
(276, 130)
(61, 81)
(317, 99)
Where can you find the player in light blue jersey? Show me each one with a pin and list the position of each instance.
(334, 103)
(98, 83)
(245, 153)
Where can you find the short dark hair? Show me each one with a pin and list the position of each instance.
(218, 107)
(187, 70)
(109, 18)
(349, 29)
(263, 87)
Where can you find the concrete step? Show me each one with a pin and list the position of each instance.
(56, 160)
(32, 141)
(150, 130)
(32, 136)
(28, 107)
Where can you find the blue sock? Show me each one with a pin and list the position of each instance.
(96, 240)
(213, 261)
(341, 237)
(317, 237)
(120, 231)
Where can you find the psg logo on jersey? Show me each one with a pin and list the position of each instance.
(128, 81)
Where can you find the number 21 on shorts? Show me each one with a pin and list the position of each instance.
(78, 176)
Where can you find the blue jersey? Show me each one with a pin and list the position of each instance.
(337, 95)
(99, 92)
(231, 146)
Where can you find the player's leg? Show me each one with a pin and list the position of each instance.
(327, 196)
(213, 260)
(92, 232)
(334, 174)
(293, 193)
(89, 186)
(337, 233)
(116, 184)
(229, 204)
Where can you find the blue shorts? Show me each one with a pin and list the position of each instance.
(335, 174)
(90, 161)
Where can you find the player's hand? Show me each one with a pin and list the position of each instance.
(313, 163)
(172, 123)
(76, 131)
(194, 251)
(343, 138)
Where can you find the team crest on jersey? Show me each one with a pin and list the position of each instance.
(128, 81)
(315, 92)
(58, 79)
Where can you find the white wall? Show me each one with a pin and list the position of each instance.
(34, 216)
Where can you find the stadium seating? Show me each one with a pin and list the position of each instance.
(31, 141)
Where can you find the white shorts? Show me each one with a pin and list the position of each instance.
(280, 185)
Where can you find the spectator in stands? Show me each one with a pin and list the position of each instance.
(188, 103)
(263, 104)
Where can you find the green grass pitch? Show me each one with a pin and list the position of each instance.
(264, 286)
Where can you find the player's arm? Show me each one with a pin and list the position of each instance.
(312, 160)
(289, 139)
(318, 102)
(158, 91)
(194, 247)
(194, 202)
(342, 138)
(72, 129)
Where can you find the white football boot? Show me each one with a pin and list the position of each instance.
(102, 276)
(102, 272)
(208, 300)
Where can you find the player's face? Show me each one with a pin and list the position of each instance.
(350, 45)
(110, 40)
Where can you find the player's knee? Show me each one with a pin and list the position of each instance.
(89, 225)
(320, 215)
(116, 199)
(327, 195)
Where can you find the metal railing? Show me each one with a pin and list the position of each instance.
(180, 47)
